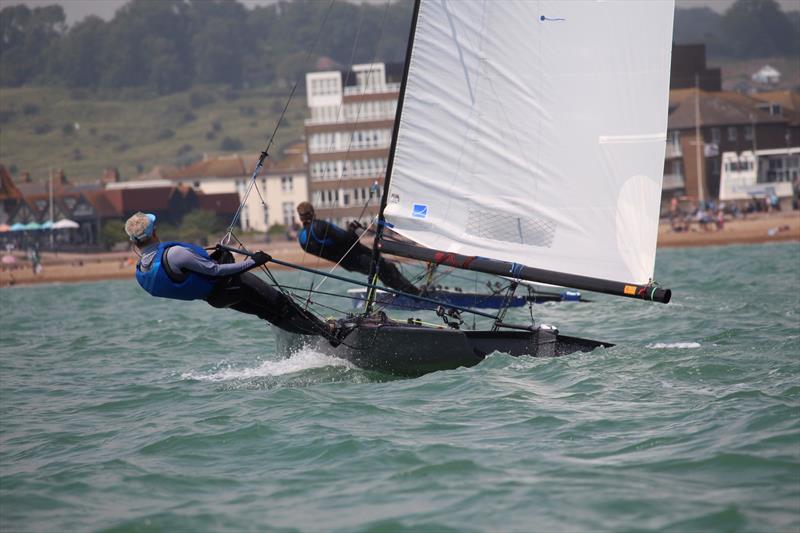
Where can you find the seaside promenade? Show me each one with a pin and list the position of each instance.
(74, 267)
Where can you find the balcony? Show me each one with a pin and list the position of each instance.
(355, 147)
(673, 151)
(357, 90)
(673, 182)
(362, 117)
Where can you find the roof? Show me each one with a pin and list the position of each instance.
(130, 200)
(220, 203)
(216, 167)
(102, 204)
(157, 172)
(241, 166)
(786, 99)
(32, 187)
(716, 109)
(768, 70)
(7, 188)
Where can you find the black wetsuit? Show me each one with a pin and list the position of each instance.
(331, 242)
(242, 291)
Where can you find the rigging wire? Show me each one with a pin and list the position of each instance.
(355, 243)
(358, 112)
(265, 153)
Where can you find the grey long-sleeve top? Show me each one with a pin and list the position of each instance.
(180, 258)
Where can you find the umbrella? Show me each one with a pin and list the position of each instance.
(17, 227)
(8, 260)
(32, 226)
(4, 228)
(47, 225)
(65, 223)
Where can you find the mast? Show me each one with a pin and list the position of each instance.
(51, 210)
(701, 181)
(373, 270)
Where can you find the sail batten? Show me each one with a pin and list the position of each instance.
(534, 133)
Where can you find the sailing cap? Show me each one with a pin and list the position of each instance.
(140, 226)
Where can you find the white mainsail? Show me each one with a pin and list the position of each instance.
(534, 132)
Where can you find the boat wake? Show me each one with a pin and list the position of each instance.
(303, 359)
(673, 345)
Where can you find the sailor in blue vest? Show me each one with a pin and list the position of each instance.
(184, 271)
(331, 242)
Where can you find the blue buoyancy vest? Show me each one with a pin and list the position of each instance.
(157, 281)
(316, 242)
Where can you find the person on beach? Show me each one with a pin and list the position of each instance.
(333, 243)
(183, 271)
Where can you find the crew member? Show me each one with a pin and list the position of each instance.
(183, 271)
(331, 242)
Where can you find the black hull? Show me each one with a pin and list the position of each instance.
(409, 350)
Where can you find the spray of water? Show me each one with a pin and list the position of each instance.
(303, 359)
(673, 345)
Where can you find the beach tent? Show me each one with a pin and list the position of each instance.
(65, 223)
(18, 226)
(4, 228)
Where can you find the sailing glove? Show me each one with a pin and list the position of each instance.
(355, 225)
(259, 258)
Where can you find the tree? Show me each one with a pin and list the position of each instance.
(76, 60)
(198, 225)
(758, 28)
(112, 232)
(25, 38)
(701, 25)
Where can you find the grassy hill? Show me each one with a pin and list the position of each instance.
(51, 128)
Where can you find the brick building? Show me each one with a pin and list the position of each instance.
(349, 133)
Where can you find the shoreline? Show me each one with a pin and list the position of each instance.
(82, 268)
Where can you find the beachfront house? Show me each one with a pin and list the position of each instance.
(281, 185)
(727, 122)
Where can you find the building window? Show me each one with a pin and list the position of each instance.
(731, 133)
(287, 184)
(288, 214)
(715, 135)
(748, 133)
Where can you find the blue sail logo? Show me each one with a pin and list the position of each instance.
(419, 211)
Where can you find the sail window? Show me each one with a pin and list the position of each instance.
(500, 226)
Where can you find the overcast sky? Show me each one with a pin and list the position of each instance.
(78, 9)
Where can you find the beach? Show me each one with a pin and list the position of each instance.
(77, 267)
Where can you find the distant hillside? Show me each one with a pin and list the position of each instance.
(50, 128)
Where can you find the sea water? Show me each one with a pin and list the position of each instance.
(122, 412)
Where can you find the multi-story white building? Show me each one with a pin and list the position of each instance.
(760, 174)
(348, 136)
(281, 185)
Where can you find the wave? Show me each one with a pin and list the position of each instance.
(303, 359)
(673, 345)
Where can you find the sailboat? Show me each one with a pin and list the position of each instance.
(529, 143)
